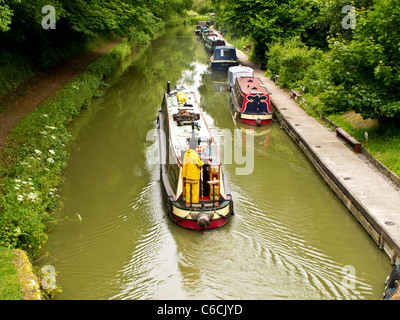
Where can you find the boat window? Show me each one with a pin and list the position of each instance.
(240, 100)
(225, 53)
(239, 97)
(173, 174)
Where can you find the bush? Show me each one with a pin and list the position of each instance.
(292, 60)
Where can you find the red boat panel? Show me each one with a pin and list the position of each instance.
(192, 224)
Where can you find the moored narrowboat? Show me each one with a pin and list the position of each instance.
(237, 71)
(196, 188)
(198, 29)
(208, 33)
(199, 26)
(250, 101)
(203, 29)
(223, 58)
(214, 41)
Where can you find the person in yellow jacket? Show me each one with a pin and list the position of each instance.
(191, 171)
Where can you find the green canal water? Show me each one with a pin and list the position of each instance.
(290, 237)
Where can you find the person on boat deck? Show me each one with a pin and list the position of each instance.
(191, 171)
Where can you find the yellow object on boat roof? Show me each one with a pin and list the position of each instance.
(181, 97)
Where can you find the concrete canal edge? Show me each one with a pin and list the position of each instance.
(371, 200)
(378, 217)
(382, 238)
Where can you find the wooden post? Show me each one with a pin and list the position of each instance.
(213, 183)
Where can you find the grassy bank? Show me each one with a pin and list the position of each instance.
(10, 288)
(33, 160)
(35, 155)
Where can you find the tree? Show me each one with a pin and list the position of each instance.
(5, 16)
(364, 73)
(266, 21)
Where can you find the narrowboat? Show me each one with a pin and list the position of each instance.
(203, 29)
(197, 191)
(208, 33)
(198, 29)
(223, 58)
(214, 41)
(200, 25)
(250, 101)
(237, 71)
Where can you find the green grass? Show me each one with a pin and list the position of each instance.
(237, 42)
(10, 288)
(383, 141)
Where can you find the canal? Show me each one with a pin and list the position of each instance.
(290, 237)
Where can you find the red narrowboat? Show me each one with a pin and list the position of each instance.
(250, 101)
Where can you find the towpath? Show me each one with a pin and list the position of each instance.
(43, 86)
(368, 195)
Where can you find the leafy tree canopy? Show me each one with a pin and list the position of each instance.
(364, 73)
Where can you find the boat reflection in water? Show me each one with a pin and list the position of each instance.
(261, 134)
(198, 193)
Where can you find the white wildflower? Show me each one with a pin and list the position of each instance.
(44, 115)
(51, 160)
(38, 151)
(16, 188)
(24, 182)
(32, 196)
(52, 128)
(53, 137)
(52, 152)
(20, 197)
(17, 180)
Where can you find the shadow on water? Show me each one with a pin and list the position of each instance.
(290, 237)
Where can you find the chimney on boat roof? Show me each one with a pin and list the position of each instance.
(168, 87)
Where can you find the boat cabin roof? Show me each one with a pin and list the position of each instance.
(225, 53)
(237, 71)
(181, 116)
(214, 41)
(209, 33)
(251, 85)
(214, 38)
